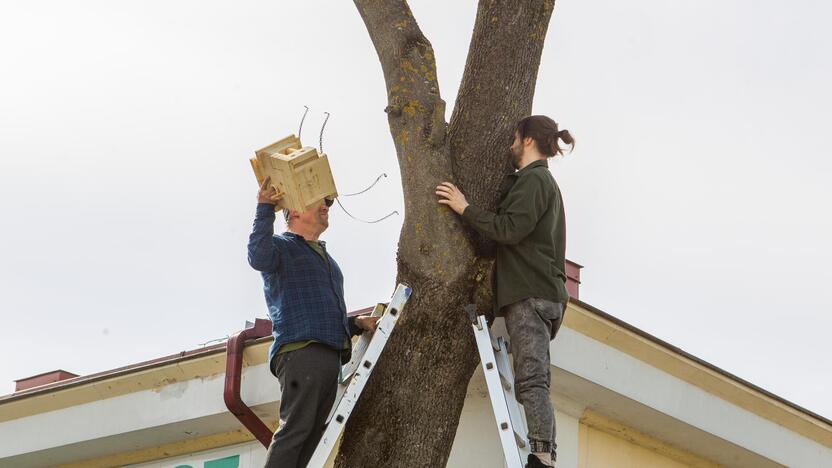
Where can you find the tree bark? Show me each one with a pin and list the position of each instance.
(410, 409)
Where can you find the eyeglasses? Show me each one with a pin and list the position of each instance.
(329, 201)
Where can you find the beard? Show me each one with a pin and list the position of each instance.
(515, 157)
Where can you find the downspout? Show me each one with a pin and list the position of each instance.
(233, 374)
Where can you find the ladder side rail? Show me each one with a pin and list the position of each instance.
(515, 409)
(359, 349)
(349, 369)
(495, 392)
(359, 379)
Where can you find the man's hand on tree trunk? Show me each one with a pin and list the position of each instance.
(452, 197)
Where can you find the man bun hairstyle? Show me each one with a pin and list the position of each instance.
(545, 133)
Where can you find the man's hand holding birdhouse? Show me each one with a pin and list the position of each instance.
(268, 194)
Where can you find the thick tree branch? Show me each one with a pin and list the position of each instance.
(416, 115)
(410, 409)
(432, 351)
(497, 90)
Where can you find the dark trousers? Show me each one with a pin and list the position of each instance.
(532, 323)
(309, 382)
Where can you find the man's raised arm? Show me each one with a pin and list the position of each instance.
(262, 254)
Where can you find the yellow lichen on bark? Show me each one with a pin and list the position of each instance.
(403, 137)
(412, 107)
(407, 66)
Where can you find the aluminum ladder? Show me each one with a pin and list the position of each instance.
(355, 374)
(508, 412)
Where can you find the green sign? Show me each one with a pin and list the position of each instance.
(227, 462)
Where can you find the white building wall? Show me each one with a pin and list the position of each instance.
(248, 455)
(477, 443)
(606, 380)
(629, 377)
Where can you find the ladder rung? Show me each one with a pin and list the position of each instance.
(521, 441)
(356, 373)
(507, 411)
(506, 383)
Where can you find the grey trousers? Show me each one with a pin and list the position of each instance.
(309, 382)
(531, 324)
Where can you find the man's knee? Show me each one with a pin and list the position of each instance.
(529, 388)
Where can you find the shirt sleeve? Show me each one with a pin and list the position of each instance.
(524, 206)
(354, 330)
(263, 255)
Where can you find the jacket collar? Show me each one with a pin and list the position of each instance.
(538, 163)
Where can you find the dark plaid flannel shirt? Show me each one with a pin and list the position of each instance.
(304, 293)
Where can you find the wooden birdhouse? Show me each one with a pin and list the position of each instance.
(299, 172)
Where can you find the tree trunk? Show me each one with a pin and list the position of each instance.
(410, 410)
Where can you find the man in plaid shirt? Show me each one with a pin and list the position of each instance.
(304, 290)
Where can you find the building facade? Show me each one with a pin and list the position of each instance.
(623, 399)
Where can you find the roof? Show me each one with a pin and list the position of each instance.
(158, 362)
(699, 361)
(220, 348)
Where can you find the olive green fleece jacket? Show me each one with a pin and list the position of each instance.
(530, 230)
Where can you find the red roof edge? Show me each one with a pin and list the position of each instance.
(71, 379)
(42, 379)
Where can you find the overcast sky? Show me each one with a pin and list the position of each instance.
(698, 197)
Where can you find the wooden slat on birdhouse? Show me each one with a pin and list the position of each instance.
(299, 172)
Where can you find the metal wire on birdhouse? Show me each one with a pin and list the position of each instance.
(321, 151)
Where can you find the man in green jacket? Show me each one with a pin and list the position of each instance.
(530, 230)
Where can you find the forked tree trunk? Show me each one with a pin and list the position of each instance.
(409, 411)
